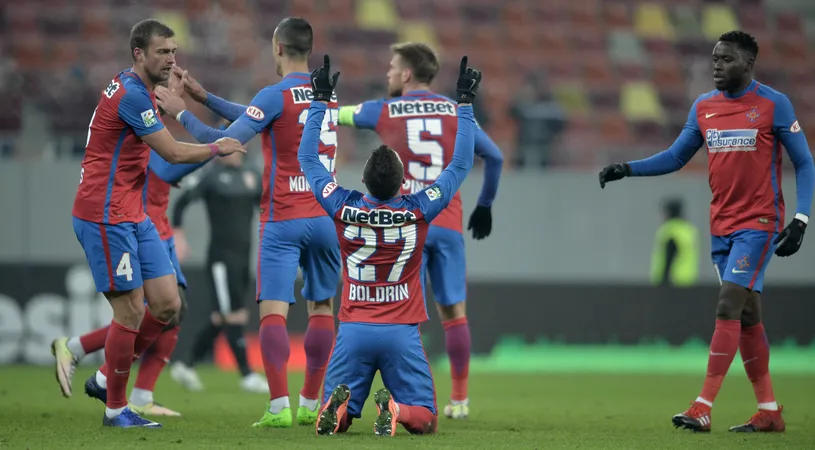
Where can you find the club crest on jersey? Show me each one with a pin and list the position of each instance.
(149, 118)
(377, 217)
(433, 193)
(753, 114)
(255, 113)
(111, 89)
(723, 141)
(329, 188)
(795, 127)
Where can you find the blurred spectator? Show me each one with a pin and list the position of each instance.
(675, 260)
(540, 119)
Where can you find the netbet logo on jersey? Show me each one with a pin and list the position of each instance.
(303, 94)
(722, 141)
(377, 217)
(412, 108)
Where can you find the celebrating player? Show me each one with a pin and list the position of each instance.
(742, 122)
(295, 230)
(69, 351)
(382, 235)
(420, 126)
(123, 248)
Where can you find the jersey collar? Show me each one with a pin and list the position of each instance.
(749, 88)
(417, 92)
(371, 199)
(298, 75)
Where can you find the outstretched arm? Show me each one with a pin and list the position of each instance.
(676, 156)
(325, 189)
(224, 108)
(171, 173)
(365, 115)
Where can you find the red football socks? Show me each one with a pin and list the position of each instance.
(156, 358)
(274, 347)
(755, 352)
(119, 357)
(417, 419)
(457, 341)
(318, 342)
(723, 348)
(148, 332)
(95, 340)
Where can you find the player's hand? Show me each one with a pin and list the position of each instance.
(322, 87)
(467, 84)
(174, 83)
(228, 146)
(193, 87)
(790, 239)
(171, 103)
(182, 248)
(480, 222)
(613, 172)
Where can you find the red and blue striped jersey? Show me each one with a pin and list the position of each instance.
(279, 113)
(114, 166)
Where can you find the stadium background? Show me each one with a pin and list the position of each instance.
(562, 283)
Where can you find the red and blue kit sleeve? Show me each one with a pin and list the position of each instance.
(365, 115)
(264, 108)
(137, 111)
(690, 140)
(330, 196)
(224, 108)
(171, 173)
(486, 149)
(435, 198)
(786, 127)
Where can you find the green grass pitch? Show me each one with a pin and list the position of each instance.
(512, 411)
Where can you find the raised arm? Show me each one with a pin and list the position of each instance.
(436, 197)
(325, 189)
(224, 108)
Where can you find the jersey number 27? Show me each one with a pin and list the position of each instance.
(359, 271)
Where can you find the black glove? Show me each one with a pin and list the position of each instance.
(480, 222)
(613, 172)
(467, 84)
(322, 88)
(792, 237)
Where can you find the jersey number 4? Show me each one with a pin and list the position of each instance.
(367, 272)
(419, 170)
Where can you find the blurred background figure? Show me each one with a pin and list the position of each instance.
(540, 121)
(231, 192)
(675, 257)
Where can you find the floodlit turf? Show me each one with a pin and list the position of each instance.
(529, 411)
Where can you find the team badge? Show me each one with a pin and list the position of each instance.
(795, 127)
(753, 114)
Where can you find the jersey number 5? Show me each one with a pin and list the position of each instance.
(419, 170)
(367, 273)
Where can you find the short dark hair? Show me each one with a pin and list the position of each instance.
(296, 36)
(383, 173)
(742, 40)
(144, 31)
(422, 60)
